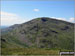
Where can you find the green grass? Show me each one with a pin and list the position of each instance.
(28, 51)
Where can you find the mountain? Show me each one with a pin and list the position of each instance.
(2, 27)
(41, 32)
(8, 29)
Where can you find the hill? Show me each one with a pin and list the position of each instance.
(39, 33)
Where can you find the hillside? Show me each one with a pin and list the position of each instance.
(39, 33)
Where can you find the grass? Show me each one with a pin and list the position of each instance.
(26, 51)
(30, 52)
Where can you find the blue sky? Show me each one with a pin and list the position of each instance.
(28, 10)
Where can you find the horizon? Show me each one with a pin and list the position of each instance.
(6, 26)
(17, 12)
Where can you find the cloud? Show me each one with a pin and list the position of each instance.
(36, 10)
(64, 19)
(59, 18)
(8, 19)
(71, 19)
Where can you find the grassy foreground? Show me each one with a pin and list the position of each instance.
(26, 51)
(29, 52)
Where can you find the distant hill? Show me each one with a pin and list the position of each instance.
(39, 33)
(2, 27)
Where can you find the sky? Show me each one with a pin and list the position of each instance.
(17, 12)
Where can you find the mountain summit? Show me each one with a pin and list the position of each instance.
(40, 33)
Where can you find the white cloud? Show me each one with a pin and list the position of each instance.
(36, 10)
(8, 19)
(71, 19)
(59, 18)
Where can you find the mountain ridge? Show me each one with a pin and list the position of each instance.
(40, 33)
